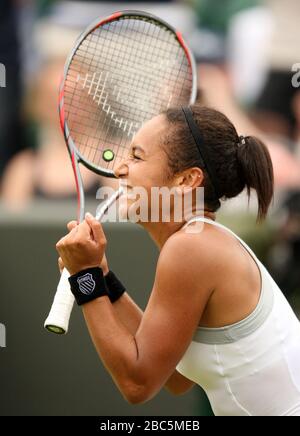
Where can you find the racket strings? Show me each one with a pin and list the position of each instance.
(91, 81)
(144, 70)
(122, 74)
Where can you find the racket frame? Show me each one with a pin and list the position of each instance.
(75, 155)
(96, 24)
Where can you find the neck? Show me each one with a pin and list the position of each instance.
(161, 232)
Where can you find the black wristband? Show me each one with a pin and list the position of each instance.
(115, 288)
(87, 285)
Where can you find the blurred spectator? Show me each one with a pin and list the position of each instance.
(17, 134)
(258, 42)
(218, 93)
(248, 43)
(48, 172)
(11, 123)
(209, 42)
(216, 16)
(284, 256)
(244, 29)
(274, 111)
(296, 111)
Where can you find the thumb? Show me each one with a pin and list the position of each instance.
(96, 228)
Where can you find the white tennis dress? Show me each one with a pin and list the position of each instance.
(251, 368)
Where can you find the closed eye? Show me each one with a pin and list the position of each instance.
(135, 157)
(133, 151)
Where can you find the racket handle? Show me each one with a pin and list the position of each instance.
(59, 315)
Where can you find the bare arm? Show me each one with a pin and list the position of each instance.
(141, 363)
(128, 312)
(131, 315)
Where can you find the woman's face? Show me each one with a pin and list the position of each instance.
(146, 166)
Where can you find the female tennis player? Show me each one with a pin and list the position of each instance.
(215, 316)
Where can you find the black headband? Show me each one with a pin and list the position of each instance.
(203, 150)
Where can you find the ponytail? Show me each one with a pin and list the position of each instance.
(238, 162)
(257, 171)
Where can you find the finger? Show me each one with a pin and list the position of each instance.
(60, 264)
(82, 232)
(62, 242)
(96, 228)
(71, 225)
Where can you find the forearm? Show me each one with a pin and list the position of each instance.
(133, 346)
(128, 313)
(116, 346)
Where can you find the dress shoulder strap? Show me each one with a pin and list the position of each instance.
(216, 224)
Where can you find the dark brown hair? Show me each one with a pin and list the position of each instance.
(238, 164)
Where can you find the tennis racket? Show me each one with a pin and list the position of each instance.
(123, 71)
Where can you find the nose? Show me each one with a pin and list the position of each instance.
(121, 171)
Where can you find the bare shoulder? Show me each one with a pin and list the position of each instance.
(195, 254)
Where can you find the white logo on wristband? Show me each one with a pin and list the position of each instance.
(86, 284)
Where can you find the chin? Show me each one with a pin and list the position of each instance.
(124, 206)
(123, 213)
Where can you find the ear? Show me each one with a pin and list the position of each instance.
(190, 179)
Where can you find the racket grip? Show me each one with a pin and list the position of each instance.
(59, 315)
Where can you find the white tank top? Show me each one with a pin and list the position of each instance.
(251, 368)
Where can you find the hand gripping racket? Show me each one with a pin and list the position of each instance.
(123, 71)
